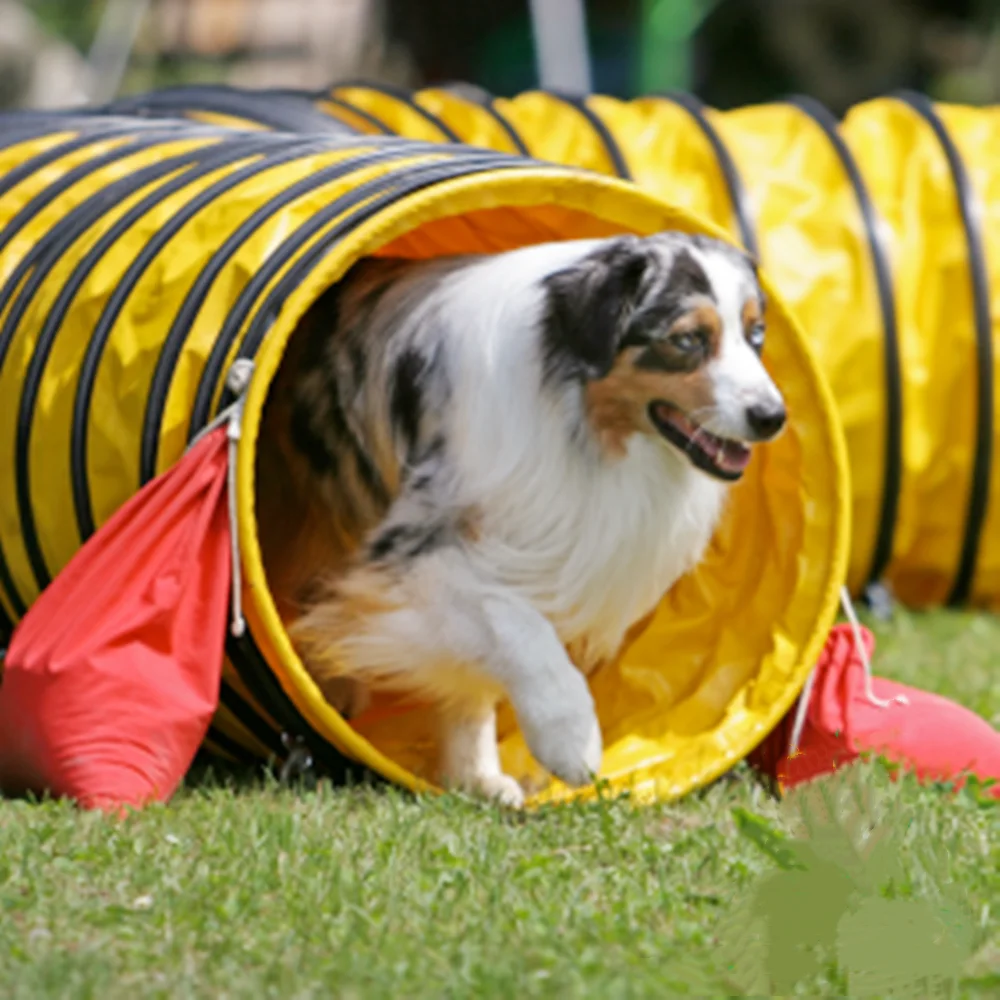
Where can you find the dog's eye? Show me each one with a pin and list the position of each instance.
(755, 337)
(687, 342)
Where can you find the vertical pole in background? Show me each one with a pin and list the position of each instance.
(666, 29)
(109, 55)
(562, 52)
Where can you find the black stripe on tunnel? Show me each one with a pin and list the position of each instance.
(14, 599)
(6, 627)
(979, 279)
(19, 128)
(24, 170)
(893, 470)
(482, 98)
(282, 110)
(254, 723)
(731, 176)
(385, 150)
(367, 116)
(253, 668)
(192, 165)
(397, 94)
(50, 192)
(284, 152)
(43, 255)
(601, 130)
(263, 686)
(268, 311)
(501, 119)
(218, 741)
(26, 125)
(374, 193)
(485, 100)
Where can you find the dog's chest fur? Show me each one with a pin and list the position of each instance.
(596, 552)
(592, 539)
(490, 455)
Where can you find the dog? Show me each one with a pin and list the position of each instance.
(477, 472)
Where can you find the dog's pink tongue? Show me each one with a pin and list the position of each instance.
(733, 456)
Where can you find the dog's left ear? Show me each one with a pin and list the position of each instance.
(589, 305)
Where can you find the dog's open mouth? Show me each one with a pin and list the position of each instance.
(718, 456)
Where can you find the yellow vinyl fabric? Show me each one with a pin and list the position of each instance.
(932, 173)
(881, 233)
(395, 111)
(139, 257)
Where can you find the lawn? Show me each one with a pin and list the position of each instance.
(243, 888)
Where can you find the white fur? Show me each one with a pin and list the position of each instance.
(740, 379)
(572, 545)
(590, 543)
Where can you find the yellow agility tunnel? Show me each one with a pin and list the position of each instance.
(139, 257)
(881, 232)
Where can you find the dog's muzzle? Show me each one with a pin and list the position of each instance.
(721, 457)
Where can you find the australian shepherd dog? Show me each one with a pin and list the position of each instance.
(477, 472)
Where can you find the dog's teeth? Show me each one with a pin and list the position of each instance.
(733, 455)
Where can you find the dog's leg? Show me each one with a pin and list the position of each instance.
(550, 697)
(469, 758)
(436, 627)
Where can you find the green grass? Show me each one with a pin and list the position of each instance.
(248, 889)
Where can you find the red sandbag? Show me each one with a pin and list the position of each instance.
(113, 675)
(935, 738)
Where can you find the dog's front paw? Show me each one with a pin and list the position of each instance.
(565, 738)
(571, 750)
(499, 788)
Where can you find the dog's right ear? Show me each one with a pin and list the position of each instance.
(588, 308)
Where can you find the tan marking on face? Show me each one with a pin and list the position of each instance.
(702, 317)
(617, 405)
(751, 313)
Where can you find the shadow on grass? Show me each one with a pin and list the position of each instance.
(209, 772)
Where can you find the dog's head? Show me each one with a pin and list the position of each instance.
(667, 333)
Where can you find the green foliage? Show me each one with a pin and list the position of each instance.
(74, 21)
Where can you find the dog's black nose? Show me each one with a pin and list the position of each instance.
(766, 420)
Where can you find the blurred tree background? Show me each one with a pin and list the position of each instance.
(729, 52)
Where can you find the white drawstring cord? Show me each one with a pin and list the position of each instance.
(237, 381)
(299, 760)
(852, 617)
(800, 713)
(803, 706)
